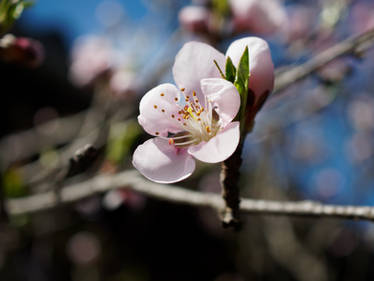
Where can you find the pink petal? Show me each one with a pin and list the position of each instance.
(159, 110)
(219, 148)
(194, 18)
(223, 96)
(195, 61)
(260, 63)
(160, 162)
(261, 17)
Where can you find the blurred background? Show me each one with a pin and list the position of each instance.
(72, 73)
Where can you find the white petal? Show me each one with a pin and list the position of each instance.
(159, 111)
(219, 148)
(261, 65)
(161, 162)
(223, 96)
(194, 62)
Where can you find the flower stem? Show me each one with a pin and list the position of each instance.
(229, 179)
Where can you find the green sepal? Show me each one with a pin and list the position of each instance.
(10, 11)
(241, 84)
(230, 70)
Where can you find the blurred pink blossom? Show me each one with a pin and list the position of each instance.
(362, 17)
(261, 17)
(300, 22)
(195, 119)
(123, 83)
(195, 18)
(21, 50)
(92, 56)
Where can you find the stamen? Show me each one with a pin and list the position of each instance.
(155, 106)
(163, 110)
(185, 143)
(207, 128)
(182, 89)
(190, 110)
(157, 133)
(162, 94)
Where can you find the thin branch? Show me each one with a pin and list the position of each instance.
(348, 46)
(132, 180)
(20, 146)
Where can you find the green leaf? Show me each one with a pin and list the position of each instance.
(219, 69)
(242, 73)
(241, 84)
(17, 12)
(230, 70)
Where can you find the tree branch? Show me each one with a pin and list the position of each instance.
(348, 46)
(132, 180)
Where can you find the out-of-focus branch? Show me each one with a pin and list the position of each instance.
(132, 180)
(348, 46)
(23, 145)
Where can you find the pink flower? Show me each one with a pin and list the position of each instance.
(195, 119)
(195, 18)
(362, 17)
(261, 67)
(92, 56)
(21, 50)
(301, 20)
(261, 17)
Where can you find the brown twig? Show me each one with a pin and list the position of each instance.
(132, 180)
(229, 179)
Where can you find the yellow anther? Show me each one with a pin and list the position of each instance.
(190, 111)
(207, 129)
(182, 89)
(194, 93)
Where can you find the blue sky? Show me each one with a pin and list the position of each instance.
(73, 17)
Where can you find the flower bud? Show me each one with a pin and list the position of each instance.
(261, 17)
(91, 59)
(195, 19)
(21, 50)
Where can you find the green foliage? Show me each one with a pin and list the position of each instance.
(122, 136)
(13, 184)
(241, 84)
(10, 11)
(230, 70)
(242, 75)
(220, 7)
(219, 69)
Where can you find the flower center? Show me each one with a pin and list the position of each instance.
(199, 122)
